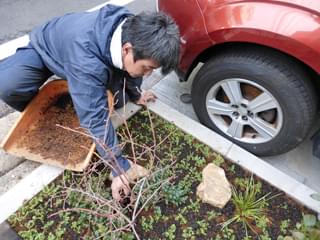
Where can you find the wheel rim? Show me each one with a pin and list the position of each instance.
(244, 110)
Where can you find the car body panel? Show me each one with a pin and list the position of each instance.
(291, 26)
(194, 38)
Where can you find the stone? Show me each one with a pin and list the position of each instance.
(214, 188)
(135, 172)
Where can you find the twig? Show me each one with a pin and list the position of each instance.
(108, 215)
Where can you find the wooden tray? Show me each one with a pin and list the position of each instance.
(29, 117)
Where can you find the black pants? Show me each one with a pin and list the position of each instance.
(21, 76)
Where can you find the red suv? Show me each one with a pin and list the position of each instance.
(261, 60)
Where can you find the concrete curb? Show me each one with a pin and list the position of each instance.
(14, 176)
(26, 189)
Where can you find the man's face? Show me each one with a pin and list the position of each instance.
(139, 68)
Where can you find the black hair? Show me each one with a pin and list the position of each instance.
(153, 36)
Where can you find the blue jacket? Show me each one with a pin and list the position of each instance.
(76, 47)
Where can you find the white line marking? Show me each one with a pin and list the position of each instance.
(115, 2)
(9, 48)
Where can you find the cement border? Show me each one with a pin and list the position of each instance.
(24, 190)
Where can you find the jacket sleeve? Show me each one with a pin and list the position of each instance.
(133, 87)
(88, 94)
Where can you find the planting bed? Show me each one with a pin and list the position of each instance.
(73, 207)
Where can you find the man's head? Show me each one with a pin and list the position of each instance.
(149, 41)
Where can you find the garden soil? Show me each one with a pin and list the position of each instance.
(49, 139)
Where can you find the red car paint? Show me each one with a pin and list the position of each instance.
(290, 26)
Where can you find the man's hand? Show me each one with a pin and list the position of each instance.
(146, 96)
(120, 185)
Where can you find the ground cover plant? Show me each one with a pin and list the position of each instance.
(163, 205)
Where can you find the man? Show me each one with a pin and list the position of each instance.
(95, 51)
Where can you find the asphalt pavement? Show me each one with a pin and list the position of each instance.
(19, 17)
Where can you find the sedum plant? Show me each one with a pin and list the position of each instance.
(309, 229)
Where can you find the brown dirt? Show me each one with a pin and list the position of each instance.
(51, 141)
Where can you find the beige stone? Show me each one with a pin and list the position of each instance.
(135, 172)
(214, 188)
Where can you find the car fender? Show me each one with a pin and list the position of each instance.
(194, 37)
(290, 28)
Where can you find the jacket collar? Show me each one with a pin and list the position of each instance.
(116, 47)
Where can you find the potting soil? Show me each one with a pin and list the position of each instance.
(48, 139)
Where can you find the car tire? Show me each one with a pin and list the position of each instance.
(225, 95)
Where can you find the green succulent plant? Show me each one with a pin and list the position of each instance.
(308, 229)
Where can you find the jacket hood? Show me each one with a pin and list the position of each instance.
(108, 20)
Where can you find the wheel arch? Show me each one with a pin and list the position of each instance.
(221, 48)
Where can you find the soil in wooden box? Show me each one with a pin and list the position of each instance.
(47, 138)
(177, 213)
